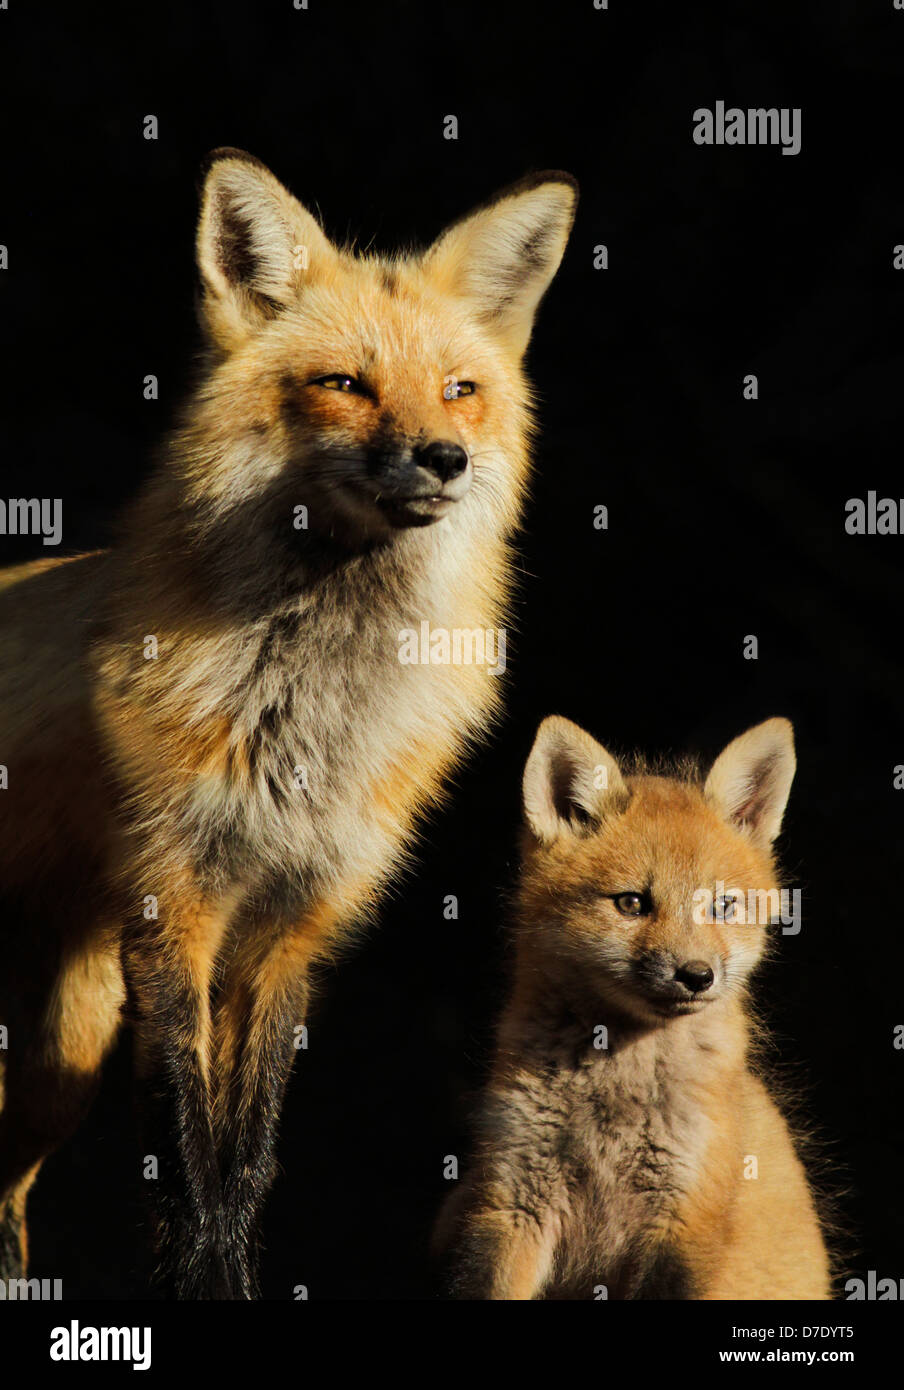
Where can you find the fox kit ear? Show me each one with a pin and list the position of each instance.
(568, 780)
(502, 257)
(256, 245)
(750, 780)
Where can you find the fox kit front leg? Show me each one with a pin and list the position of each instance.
(503, 1253)
(168, 964)
(498, 1234)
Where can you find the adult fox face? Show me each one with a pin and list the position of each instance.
(642, 884)
(379, 393)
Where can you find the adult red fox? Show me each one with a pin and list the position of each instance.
(627, 1148)
(215, 756)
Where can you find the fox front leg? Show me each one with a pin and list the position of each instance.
(502, 1255)
(257, 1032)
(167, 965)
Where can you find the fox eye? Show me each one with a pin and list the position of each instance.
(725, 908)
(632, 904)
(454, 388)
(336, 381)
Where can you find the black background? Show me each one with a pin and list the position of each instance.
(726, 516)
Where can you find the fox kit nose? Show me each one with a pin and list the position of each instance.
(443, 458)
(696, 974)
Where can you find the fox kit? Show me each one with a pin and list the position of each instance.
(626, 1147)
(215, 756)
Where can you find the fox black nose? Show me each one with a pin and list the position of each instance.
(696, 974)
(443, 458)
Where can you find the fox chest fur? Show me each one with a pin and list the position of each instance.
(615, 1140)
(288, 756)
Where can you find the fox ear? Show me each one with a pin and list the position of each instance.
(568, 782)
(750, 781)
(502, 257)
(256, 246)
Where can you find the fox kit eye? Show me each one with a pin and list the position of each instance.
(453, 388)
(725, 908)
(632, 904)
(337, 382)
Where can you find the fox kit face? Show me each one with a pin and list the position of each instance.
(653, 891)
(383, 394)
